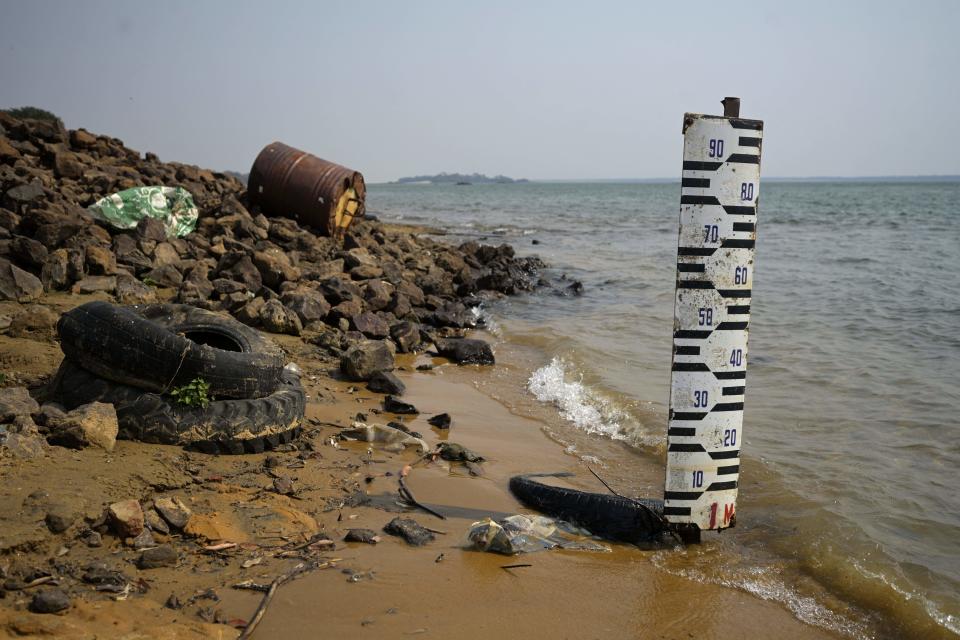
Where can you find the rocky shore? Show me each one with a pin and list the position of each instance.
(88, 522)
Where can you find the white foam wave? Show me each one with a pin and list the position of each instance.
(943, 619)
(576, 402)
(765, 583)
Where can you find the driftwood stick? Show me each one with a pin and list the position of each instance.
(303, 567)
(407, 495)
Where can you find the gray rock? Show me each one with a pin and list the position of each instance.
(366, 536)
(165, 276)
(151, 230)
(50, 601)
(24, 447)
(337, 290)
(309, 306)
(154, 522)
(100, 261)
(59, 518)
(386, 382)
(144, 540)
(93, 424)
(276, 318)
(93, 539)
(96, 284)
(20, 197)
(16, 401)
(165, 254)
(55, 271)
(440, 421)
(465, 350)
(361, 361)
(392, 405)
(284, 486)
(162, 556)
(131, 291)
(18, 285)
(275, 267)
(33, 319)
(240, 268)
(406, 335)
(371, 325)
(410, 530)
(174, 511)
(378, 294)
(126, 517)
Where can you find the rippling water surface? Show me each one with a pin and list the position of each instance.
(849, 509)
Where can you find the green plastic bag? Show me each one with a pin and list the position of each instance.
(173, 206)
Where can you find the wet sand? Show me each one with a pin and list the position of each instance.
(467, 594)
(379, 591)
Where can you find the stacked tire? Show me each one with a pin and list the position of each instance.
(133, 357)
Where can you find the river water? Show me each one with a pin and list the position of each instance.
(849, 508)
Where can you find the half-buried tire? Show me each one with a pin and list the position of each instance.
(159, 347)
(223, 426)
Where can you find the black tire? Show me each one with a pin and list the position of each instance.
(224, 426)
(608, 516)
(150, 347)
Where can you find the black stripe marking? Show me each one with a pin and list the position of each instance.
(696, 251)
(694, 284)
(720, 486)
(693, 334)
(744, 226)
(687, 415)
(684, 199)
(741, 123)
(682, 495)
(724, 455)
(728, 406)
(736, 243)
(746, 141)
(743, 158)
(738, 309)
(682, 447)
(690, 366)
(688, 267)
(730, 375)
(734, 293)
(676, 511)
(732, 326)
(687, 350)
(740, 210)
(682, 431)
(734, 391)
(726, 471)
(693, 165)
(696, 183)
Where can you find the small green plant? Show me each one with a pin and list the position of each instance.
(194, 394)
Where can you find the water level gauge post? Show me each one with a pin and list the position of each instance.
(719, 196)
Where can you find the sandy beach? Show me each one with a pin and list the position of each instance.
(385, 590)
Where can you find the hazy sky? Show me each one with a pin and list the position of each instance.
(538, 89)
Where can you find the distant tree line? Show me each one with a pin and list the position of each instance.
(454, 178)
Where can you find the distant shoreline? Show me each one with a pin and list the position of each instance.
(900, 179)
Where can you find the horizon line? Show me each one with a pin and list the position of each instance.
(946, 177)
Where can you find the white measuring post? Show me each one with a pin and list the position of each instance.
(719, 191)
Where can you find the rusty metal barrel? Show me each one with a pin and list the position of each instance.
(291, 183)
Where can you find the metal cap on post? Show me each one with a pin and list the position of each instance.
(731, 107)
